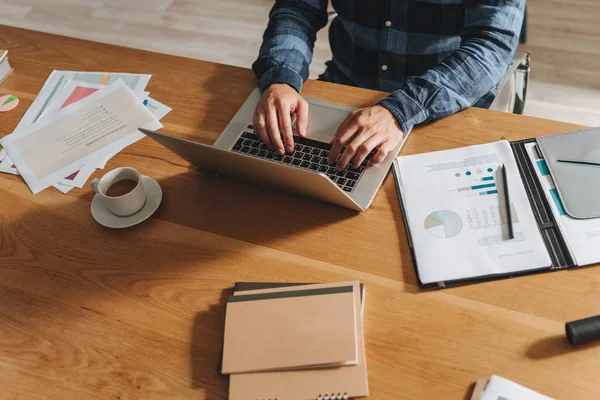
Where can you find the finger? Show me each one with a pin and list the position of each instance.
(353, 147)
(285, 122)
(365, 148)
(302, 117)
(347, 121)
(273, 129)
(342, 137)
(260, 126)
(383, 151)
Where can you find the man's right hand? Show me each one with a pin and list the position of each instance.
(272, 118)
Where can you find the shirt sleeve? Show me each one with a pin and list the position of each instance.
(288, 41)
(489, 39)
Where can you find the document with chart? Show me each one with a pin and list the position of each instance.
(455, 212)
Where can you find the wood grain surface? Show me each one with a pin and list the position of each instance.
(88, 312)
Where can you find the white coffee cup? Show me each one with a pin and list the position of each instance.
(127, 204)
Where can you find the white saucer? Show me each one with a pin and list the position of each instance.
(105, 217)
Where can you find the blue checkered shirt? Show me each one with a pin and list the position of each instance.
(436, 57)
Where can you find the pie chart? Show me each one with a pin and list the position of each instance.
(443, 224)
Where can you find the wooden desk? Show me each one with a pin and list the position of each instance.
(87, 312)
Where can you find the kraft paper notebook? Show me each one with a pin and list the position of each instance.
(349, 381)
(268, 331)
(245, 286)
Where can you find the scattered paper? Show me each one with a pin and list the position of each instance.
(72, 92)
(65, 88)
(103, 123)
(454, 205)
(57, 80)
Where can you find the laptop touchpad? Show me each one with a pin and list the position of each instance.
(323, 122)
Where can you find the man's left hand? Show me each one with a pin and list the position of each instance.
(361, 132)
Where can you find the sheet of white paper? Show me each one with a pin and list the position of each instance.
(157, 108)
(502, 389)
(63, 188)
(455, 209)
(581, 235)
(54, 85)
(57, 79)
(101, 124)
(2, 154)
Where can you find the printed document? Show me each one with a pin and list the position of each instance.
(82, 134)
(70, 93)
(455, 209)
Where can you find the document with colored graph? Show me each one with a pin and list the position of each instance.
(455, 211)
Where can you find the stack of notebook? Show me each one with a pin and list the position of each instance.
(295, 341)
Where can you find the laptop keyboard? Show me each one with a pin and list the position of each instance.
(308, 154)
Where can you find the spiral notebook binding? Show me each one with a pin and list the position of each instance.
(333, 396)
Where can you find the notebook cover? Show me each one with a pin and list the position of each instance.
(243, 286)
(351, 381)
(274, 329)
(573, 160)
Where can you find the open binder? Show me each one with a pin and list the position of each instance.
(573, 162)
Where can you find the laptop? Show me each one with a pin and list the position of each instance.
(240, 153)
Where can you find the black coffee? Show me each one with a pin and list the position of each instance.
(121, 188)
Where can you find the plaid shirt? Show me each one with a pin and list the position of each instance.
(436, 57)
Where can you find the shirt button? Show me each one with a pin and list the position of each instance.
(384, 67)
(388, 23)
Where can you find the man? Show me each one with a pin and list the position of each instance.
(436, 57)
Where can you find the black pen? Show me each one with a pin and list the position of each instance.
(511, 233)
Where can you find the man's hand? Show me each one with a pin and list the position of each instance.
(361, 132)
(272, 118)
